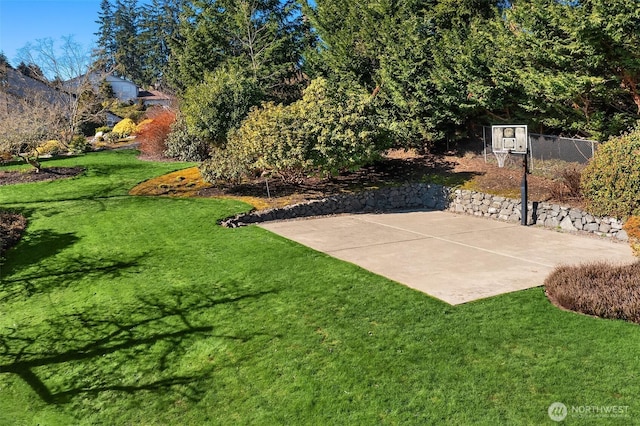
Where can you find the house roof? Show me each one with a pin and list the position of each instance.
(153, 95)
(21, 86)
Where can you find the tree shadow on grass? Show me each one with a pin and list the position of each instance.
(66, 273)
(98, 349)
(36, 246)
(30, 268)
(32, 251)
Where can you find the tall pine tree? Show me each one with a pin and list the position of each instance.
(265, 37)
(158, 32)
(128, 54)
(106, 51)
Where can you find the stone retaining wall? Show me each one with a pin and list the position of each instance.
(542, 214)
(413, 196)
(438, 197)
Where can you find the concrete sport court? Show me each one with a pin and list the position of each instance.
(454, 258)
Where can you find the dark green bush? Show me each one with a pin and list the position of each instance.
(611, 180)
(219, 104)
(329, 130)
(184, 146)
(600, 289)
(78, 144)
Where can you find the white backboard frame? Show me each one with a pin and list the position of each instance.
(511, 138)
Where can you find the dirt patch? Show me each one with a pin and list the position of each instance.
(45, 174)
(545, 183)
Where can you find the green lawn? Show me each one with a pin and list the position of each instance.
(121, 310)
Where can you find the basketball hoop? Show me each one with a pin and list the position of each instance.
(508, 139)
(501, 156)
(513, 139)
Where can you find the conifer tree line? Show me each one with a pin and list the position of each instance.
(438, 69)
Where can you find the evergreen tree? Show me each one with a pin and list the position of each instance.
(575, 64)
(31, 70)
(267, 37)
(128, 53)
(348, 44)
(159, 26)
(106, 52)
(391, 47)
(4, 62)
(4, 66)
(611, 29)
(201, 47)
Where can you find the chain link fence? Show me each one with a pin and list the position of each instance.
(548, 147)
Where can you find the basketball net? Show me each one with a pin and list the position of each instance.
(501, 156)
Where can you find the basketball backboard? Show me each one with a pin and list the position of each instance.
(511, 138)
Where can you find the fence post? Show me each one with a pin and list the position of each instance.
(484, 142)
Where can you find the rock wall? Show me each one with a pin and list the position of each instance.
(539, 213)
(438, 197)
(412, 196)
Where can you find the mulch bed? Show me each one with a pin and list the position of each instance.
(390, 171)
(12, 226)
(45, 174)
(400, 169)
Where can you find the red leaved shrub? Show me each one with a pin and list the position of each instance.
(154, 130)
(632, 227)
(600, 289)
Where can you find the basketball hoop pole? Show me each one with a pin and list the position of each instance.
(524, 190)
(512, 138)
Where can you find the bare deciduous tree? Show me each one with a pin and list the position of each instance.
(71, 71)
(54, 105)
(29, 115)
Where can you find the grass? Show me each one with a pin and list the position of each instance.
(118, 309)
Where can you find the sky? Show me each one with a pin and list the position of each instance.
(24, 21)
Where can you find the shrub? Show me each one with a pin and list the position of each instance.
(567, 186)
(124, 128)
(632, 228)
(153, 132)
(103, 129)
(344, 125)
(611, 180)
(88, 128)
(224, 165)
(5, 156)
(599, 289)
(184, 146)
(330, 129)
(78, 144)
(112, 137)
(219, 104)
(51, 147)
(270, 139)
